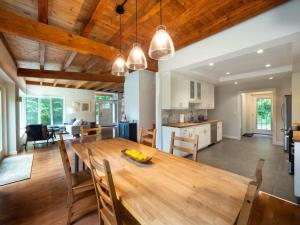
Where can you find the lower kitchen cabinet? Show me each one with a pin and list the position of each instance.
(219, 131)
(203, 131)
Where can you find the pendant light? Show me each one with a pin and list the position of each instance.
(161, 46)
(136, 59)
(119, 67)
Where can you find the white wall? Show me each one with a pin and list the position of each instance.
(296, 98)
(139, 98)
(147, 99)
(70, 95)
(226, 103)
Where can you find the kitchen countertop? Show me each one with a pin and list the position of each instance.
(190, 124)
(296, 136)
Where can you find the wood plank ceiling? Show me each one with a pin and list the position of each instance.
(96, 20)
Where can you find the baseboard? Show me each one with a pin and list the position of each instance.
(231, 137)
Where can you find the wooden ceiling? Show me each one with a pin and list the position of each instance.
(82, 35)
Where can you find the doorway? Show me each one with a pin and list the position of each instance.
(107, 113)
(257, 113)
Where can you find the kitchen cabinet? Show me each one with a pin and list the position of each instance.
(178, 91)
(219, 131)
(203, 131)
(175, 91)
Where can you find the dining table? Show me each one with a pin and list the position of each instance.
(170, 189)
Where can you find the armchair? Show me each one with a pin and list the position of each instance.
(37, 132)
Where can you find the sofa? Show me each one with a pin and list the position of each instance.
(74, 126)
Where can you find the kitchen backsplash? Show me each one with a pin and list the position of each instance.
(173, 115)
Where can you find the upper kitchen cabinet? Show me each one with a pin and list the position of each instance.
(208, 93)
(178, 91)
(175, 91)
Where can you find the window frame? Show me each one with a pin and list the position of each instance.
(39, 97)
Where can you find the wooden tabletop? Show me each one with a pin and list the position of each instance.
(170, 190)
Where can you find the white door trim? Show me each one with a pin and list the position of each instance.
(274, 115)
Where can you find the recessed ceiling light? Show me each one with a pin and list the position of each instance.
(260, 51)
(211, 64)
(235, 82)
(268, 65)
(227, 73)
(271, 78)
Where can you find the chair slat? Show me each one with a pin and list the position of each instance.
(193, 142)
(148, 137)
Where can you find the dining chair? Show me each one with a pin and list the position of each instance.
(187, 141)
(247, 206)
(80, 188)
(148, 137)
(109, 208)
(90, 134)
(258, 172)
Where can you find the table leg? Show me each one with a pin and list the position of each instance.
(76, 163)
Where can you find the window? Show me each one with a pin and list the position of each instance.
(44, 110)
(264, 114)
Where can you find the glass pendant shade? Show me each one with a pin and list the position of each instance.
(161, 46)
(119, 67)
(136, 59)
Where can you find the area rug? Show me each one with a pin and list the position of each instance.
(15, 168)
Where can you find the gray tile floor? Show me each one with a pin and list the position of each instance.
(241, 157)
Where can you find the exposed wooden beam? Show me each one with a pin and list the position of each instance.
(80, 84)
(87, 29)
(28, 28)
(49, 74)
(28, 82)
(68, 61)
(8, 48)
(54, 83)
(43, 18)
(89, 64)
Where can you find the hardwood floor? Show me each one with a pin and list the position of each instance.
(42, 199)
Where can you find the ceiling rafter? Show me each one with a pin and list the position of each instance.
(43, 18)
(87, 30)
(49, 74)
(8, 48)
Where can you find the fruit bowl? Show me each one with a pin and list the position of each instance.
(136, 155)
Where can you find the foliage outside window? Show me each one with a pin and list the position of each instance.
(44, 110)
(264, 114)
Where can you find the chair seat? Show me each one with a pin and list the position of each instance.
(82, 181)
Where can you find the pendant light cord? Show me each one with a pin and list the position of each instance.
(160, 11)
(120, 33)
(136, 26)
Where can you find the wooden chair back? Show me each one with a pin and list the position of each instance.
(148, 137)
(191, 141)
(258, 172)
(65, 161)
(247, 206)
(85, 134)
(108, 205)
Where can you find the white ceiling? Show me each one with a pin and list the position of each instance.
(246, 67)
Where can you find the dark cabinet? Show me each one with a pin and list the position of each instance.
(128, 131)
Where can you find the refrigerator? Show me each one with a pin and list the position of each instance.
(286, 116)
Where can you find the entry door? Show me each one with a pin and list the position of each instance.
(264, 115)
(108, 113)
